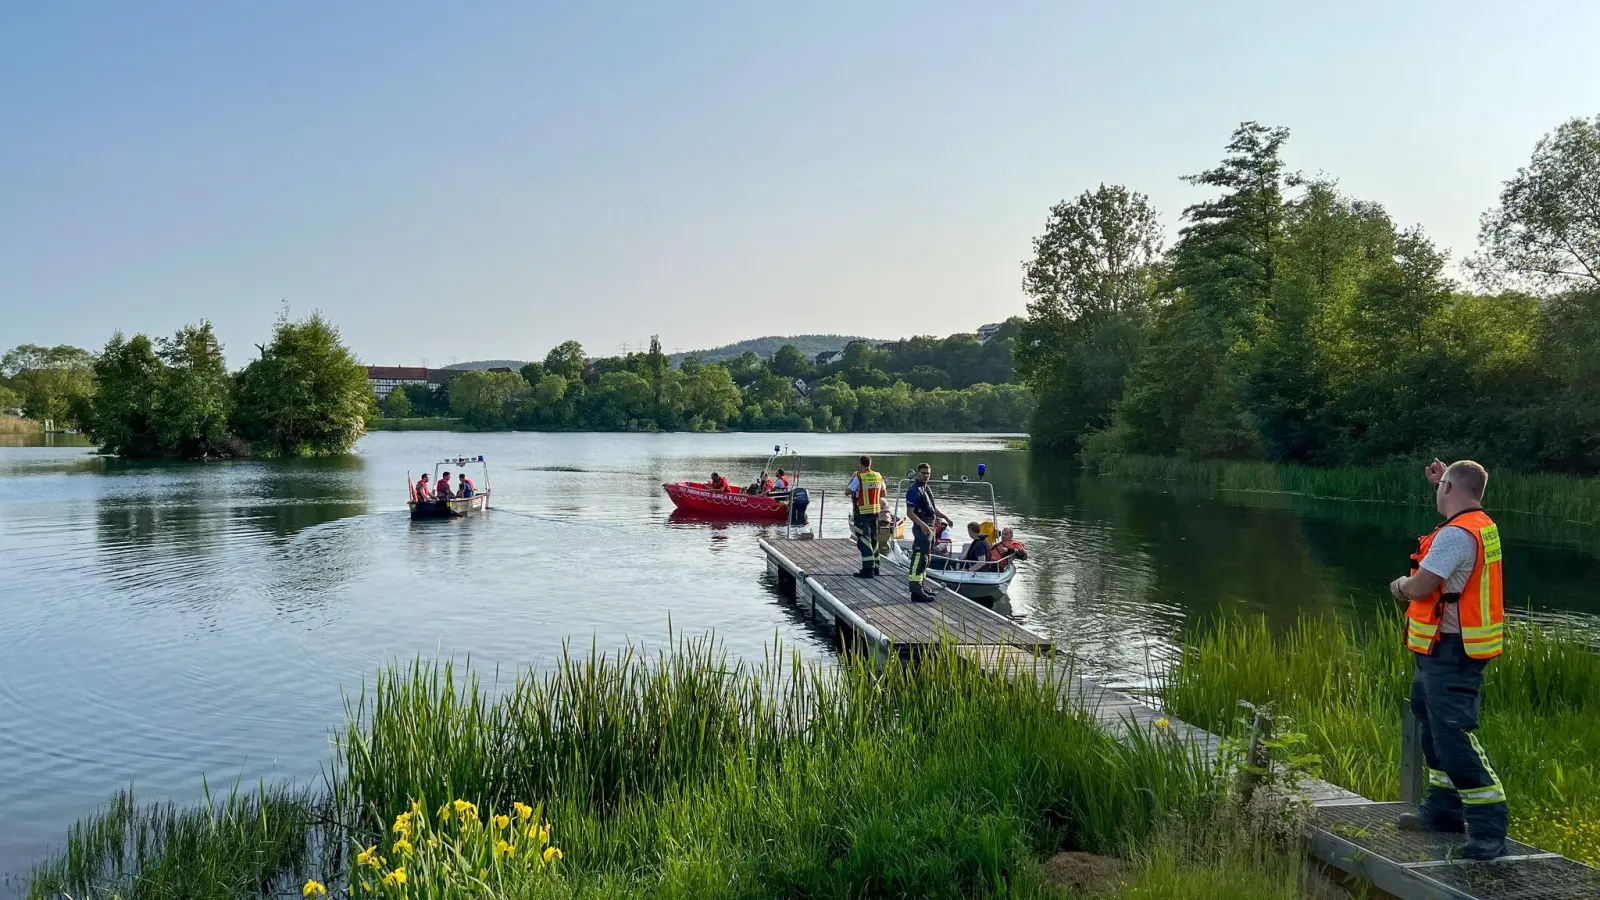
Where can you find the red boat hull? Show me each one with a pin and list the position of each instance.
(695, 497)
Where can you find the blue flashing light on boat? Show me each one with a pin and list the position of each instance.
(982, 469)
(480, 458)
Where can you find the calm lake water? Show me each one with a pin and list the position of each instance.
(164, 622)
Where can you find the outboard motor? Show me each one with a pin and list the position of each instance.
(798, 501)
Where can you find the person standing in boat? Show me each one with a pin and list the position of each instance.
(866, 498)
(925, 521)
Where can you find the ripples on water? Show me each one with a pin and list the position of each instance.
(163, 622)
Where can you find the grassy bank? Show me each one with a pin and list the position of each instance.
(414, 425)
(692, 775)
(1555, 496)
(10, 425)
(1347, 686)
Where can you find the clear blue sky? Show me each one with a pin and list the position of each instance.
(486, 179)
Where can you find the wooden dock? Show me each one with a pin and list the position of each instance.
(1348, 831)
(820, 573)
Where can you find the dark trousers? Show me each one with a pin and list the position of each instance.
(921, 548)
(1462, 786)
(867, 540)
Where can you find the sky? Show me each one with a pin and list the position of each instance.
(469, 181)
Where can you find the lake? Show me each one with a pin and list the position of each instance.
(164, 622)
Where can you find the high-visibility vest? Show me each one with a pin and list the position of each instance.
(870, 498)
(1480, 604)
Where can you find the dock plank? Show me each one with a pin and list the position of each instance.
(885, 602)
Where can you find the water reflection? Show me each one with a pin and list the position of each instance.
(164, 621)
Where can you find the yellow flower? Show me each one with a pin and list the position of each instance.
(552, 853)
(1163, 723)
(501, 848)
(398, 876)
(502, 821)
(368, 857)
(314, 889)
(402, 847)
(466, 810)
(533, 834)
(402, 824)
(523, 810)
(444, 813)
(544, 834)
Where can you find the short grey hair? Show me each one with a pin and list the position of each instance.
(1468, 475)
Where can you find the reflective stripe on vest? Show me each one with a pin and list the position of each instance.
(871, 496)
(1480, 604)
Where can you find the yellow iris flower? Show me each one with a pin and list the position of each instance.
(314, 889)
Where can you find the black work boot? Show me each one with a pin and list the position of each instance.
(1486, 832)
(1422, 822)
(867, 571)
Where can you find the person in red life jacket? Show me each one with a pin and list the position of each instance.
(1007, 548)
(1455, 623)
(443, 491)
(464, 486)
(718, 483)
(424, 493)
(782, 482)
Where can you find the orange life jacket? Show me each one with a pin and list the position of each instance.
(869, 499)
(1480, 603)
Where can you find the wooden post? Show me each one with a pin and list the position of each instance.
(1413, 766)
(1257, 759)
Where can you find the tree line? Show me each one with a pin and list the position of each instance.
(174, 396)
(1292, 322)
(957, 383)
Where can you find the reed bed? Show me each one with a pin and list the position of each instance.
(11, 425)
(1347, 685)
(1559, 497)
(686, 773)
(249, 843)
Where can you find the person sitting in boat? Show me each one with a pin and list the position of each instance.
(941, 541)
(977, 549)
(423, 491)
(1006, 549)
(781, 484)
(761, 485)
(444, 491)
(464, 487)
(718, 483)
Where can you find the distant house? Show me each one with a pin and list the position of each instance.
(828, 359)
(989, 331)
(503, 370)
(384, 379)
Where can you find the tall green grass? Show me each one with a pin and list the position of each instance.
(686, 773)
(1554, 496)
(1347, 686)
(10, 425)
(248, 843)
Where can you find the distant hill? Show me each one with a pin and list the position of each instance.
(479, 364)
(808, 344)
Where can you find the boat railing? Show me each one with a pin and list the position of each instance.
(789, 523)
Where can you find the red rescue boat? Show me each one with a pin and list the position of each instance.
(700, 498)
